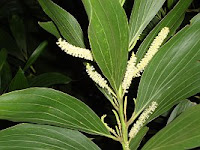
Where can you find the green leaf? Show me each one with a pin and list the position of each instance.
(181, 107)
(170, 3)
(5, 77)
(49, 79)
(182, 133)
(50, 27)
(18, 31)
(66, 23)
(19, 81)
(48, 106)
(135, 142)
(142, 13)
(173, 20)
(36, 54)
(43, 137)
(3, 57)
(7, 42)
(108, 35)
(174, 72)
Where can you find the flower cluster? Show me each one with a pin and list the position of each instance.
(97, 78)
(134, 70)
(141, 120)
(74, 51)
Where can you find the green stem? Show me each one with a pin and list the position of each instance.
(124, 126)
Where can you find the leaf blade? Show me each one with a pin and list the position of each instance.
(66, 23)
(108, 35)
(173, 74)
(172, 21)
(48, 106)
(182, 133)
(29, 136)
(49, 79)
(139, 21)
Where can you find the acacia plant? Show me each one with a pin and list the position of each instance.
(167, 63)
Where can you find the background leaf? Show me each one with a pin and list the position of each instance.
(18, 31)
(7, 42)
(135, 142)
(19, 81)
(181, 107)
(49, 79)
(173, 20)
(3, 57)
(35, 54)
(66, 23)
(50, 27)
(48, 106)
(29, 136)
(182, 133)
(174, 72)
(142, 13)
(108, 35)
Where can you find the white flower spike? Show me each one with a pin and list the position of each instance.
(141, 120)
(74, 51)
(134, 70)
(97, 78)
(155, 45)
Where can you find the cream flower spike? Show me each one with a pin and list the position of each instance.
(141, 120)
(74, 51)
(134, 70)
(97, 78)
(155, 45)
(131, 72)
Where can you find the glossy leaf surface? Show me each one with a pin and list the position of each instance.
(108, 35)
(182, 133)
(43, 137)
(50, 27)
(174, 72)
(48, 106)
(142, 13)
(172, 20)
(66, 23)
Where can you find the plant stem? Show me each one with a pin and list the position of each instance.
(124, 126)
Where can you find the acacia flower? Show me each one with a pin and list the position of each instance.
(155, 45)
(141, 120)
(97, 78)
(74, 51)
(134, 70)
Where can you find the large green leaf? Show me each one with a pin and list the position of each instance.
(43, 137)
(181, 107)
(35, 54)
(108, 35)
(182, 133)
(49, 79)
(50, 27)
(174, 73)
(142, 13)
(172, 21)
(48, 106)
(66, 23)
(19, 81)
(135, 142)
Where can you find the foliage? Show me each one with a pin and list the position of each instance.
(165, 55)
